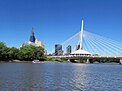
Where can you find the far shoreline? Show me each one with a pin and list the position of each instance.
(18, 61)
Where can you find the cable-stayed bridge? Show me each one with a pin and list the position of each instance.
(89, 45)
(95, 44)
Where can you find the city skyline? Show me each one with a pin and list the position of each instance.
(57, 20)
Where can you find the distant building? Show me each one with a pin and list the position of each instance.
(58, 50)
(32, 37)
(39, 43)
(29, 43)
(33, 41)
(68, 50)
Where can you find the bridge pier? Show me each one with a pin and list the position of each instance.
(120, 61)
(88, 60)
(68, 60)
(71, 60)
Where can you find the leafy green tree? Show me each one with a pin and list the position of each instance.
(13, 53)
(29, 53)
(3, 52)
(39, 52)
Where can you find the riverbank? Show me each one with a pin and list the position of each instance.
(51, 60)
(43, 61)
(15, 61)
(18, 61)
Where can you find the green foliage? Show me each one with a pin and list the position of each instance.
(13, 53)
(29, 52)
(26, 53)
(3, 51)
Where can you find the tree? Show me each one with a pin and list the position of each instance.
(26, 52)
(29, 53)
(3, 52)
(13, 53)
(39, 53)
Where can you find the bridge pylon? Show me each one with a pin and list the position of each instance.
(81, 35)
(80, 51)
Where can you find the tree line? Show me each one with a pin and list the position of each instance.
(24, 53)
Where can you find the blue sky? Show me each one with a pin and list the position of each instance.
(57, 20)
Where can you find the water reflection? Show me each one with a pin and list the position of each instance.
(60, 77)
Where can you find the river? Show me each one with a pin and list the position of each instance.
(60, 77)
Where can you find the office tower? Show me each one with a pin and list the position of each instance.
(32, 37)
(68, 50)
(58, 50)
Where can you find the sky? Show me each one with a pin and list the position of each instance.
(55, 21)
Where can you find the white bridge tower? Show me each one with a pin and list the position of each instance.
(81, 36)
(80, 51)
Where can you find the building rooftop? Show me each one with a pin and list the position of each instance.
(81, 52)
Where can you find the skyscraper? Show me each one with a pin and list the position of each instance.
(68, 49)
(58, 50)
(32, 37)
(34, 42)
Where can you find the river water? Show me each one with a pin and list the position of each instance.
(60, 77)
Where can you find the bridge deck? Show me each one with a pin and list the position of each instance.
(77, 57)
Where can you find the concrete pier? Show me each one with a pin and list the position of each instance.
(68, 60)
(88, 60)
(120, 61)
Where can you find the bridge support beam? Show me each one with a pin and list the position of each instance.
(68, 60)
(120, 61)
(88, 60)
